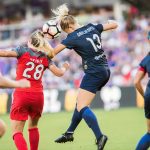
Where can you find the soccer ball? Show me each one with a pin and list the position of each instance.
(51, 29)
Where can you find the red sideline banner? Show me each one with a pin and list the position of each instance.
(57, 100)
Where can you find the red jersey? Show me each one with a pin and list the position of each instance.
(31, 65)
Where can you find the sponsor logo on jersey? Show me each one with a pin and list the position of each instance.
(85, 31)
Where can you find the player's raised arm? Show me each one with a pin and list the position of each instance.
(37, 41)
(58, 49)
(137, 81)
(110, 25)
(51, 52)
(8, 53)
(59, 71)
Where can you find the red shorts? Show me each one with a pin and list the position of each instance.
(26, 104)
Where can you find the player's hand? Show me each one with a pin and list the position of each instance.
(66, 65)
(47, 49)
(23, 83)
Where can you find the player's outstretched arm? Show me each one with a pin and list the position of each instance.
(8, 53)
(39, 43)
(59, 71)
(50, 51)
(7, 83)
(137, 81)
(58, 48)
(112, 24)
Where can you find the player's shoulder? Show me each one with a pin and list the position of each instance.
(89, 28)
(145, 60)
(79, 32)
(147, 57)
(91, 25)
(22, 48)
(70, 37)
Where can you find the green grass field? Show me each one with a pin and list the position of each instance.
(124, 127)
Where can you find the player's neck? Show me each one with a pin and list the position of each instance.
(73, 28)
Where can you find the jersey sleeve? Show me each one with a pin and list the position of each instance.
(68, 43)
(143, 65)
(19, 50)
(99, 27)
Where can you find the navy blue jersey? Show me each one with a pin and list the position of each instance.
(145, 66)
(86, 41)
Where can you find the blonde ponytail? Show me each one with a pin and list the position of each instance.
(62, 15)
(61, 11)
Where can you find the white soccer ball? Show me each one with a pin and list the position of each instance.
(51, 29)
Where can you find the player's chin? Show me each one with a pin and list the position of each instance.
(2, 128)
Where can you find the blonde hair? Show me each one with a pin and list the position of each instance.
(62, 14)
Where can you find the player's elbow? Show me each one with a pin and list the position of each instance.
(114, 25)
(110, 25)
(59, 74)
(136, 82)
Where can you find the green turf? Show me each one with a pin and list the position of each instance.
(124, 127)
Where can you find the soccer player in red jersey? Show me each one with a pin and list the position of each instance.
(28, 102)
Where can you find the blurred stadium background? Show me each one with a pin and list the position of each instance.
(125, 47)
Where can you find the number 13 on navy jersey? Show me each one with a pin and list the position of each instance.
(96, 42)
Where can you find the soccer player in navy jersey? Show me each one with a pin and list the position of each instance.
(86, 41)
(28, 102)
(144, 69)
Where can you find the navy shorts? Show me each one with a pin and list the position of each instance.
(93, 82)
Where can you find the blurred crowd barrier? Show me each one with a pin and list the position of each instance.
(58, 100)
